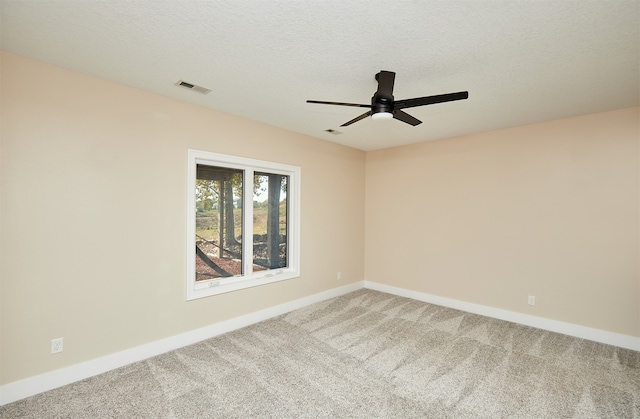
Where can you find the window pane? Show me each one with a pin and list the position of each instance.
(270, 224)
(218, 222)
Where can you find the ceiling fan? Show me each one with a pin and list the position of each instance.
(384, 107)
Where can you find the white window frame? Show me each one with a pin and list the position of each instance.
(250, 278)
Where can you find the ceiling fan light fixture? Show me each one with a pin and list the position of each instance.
(382, 116)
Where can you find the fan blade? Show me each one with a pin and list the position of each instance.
(363, 116)
(385, 84)
(429, 100)
(339, 103)
(405, 117)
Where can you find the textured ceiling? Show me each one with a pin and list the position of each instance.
(521, 61)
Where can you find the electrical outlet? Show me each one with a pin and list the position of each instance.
(56, 345)
(532, 300)
(339, 276)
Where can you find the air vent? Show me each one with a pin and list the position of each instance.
(332, 131)
(193, 87)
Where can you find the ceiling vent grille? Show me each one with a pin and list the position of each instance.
(193, 87)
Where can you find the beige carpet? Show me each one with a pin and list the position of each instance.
(364, 355)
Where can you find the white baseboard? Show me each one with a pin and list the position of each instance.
(596, 335)
(33, 385)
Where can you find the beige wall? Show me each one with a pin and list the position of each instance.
(550, 210)
(92, 211)
(93, 215)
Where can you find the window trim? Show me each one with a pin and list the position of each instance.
(217, 286)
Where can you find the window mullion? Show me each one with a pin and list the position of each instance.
(247, 223)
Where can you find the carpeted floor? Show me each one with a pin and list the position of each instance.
(363, 355)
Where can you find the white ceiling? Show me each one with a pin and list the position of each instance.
(521, 61)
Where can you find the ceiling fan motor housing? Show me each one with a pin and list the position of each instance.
(382, 100)
(381, 104)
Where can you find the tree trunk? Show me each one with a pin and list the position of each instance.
(273, 221)
(221, 218)
(230, 224)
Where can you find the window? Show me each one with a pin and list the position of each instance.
(243, 225)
